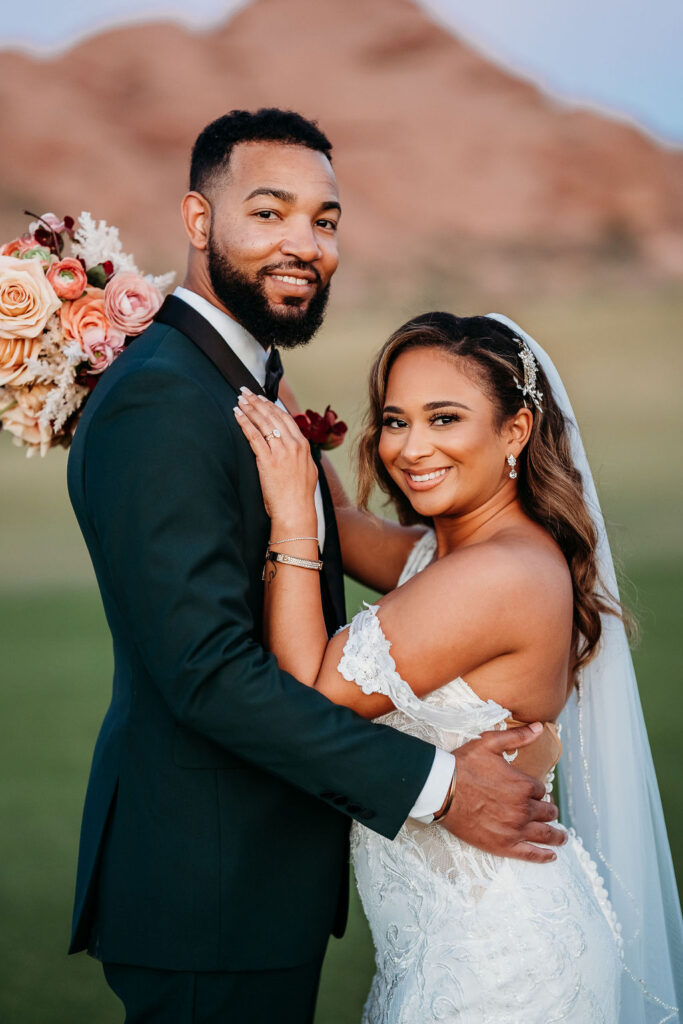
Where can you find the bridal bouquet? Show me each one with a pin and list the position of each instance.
(70, 299)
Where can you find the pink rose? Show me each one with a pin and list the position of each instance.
(131, 301)
(68, 278)
(84, 320)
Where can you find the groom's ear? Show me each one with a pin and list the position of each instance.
(196, 213)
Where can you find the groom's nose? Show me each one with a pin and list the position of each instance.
(300, 241)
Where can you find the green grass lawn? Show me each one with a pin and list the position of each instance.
(52, 698)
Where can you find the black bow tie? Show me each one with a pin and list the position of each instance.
(274, 374)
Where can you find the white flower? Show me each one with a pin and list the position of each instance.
(65, 398)
(162, 281)
(74, 353)
(96, 242)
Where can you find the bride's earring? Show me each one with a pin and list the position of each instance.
(512, 462)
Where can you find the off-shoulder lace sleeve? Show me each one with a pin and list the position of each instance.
(367, 662)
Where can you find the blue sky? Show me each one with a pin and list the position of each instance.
(622, 56)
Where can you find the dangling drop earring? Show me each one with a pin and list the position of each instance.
(512, 462)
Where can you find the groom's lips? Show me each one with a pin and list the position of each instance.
(293, 281)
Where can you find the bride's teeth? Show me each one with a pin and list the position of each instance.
(427, 476)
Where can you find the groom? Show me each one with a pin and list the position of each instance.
(213, 859)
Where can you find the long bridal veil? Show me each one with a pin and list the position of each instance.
(608, 788)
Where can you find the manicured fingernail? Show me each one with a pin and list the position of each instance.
(243, 399)
(536, 727)
(237, 411)
(245, 391)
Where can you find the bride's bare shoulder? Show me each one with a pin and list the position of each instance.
(520, 570)
(530, 557)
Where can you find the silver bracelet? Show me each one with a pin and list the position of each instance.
(290, 540)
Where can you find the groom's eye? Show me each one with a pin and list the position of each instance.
(265, 214)
(329, 225)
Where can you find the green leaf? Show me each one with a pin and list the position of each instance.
(96, 276)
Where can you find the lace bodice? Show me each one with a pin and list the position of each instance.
(462, 936)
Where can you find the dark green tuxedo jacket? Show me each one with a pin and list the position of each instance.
(216, 819)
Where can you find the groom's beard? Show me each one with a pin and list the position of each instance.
(247, 301)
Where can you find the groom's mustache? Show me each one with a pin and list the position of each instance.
(282, 268)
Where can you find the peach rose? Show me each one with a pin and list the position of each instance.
(18, 246)
(68, 278)
(22, 420)
(84, 320)
(27, 299)
(14, 354)
(131, 302)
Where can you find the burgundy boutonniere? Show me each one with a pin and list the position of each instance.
(325, 432)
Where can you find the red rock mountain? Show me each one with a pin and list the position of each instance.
(439, 152)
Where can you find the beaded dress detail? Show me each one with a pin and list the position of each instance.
(460, 935)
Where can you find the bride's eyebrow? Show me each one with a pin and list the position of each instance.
(429, 406)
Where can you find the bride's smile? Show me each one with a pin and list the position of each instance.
(425, 479)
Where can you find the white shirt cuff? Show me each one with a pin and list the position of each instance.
(436, 787)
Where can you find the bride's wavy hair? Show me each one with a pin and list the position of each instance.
(549, 485)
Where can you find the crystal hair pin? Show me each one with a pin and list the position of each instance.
(528, 388)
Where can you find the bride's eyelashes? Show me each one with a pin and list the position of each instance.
(442, 420)
(445, 419)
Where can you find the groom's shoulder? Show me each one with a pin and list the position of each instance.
(159, 365)
(163, 350)
(161, 379)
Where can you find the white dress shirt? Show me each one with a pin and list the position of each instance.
(254, 357)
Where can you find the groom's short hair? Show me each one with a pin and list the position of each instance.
(211, 152)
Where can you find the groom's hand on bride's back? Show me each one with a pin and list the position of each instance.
(498, 808)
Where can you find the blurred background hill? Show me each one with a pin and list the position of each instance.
(449, 166)
(464, 187)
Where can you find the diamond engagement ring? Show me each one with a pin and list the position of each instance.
(273, 433)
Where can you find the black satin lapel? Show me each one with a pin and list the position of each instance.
(333, 570)
(193, 325)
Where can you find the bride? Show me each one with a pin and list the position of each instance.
(501, 610)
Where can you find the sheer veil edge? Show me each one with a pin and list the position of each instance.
(609, 792)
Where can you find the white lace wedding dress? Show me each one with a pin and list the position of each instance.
(462, 936)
